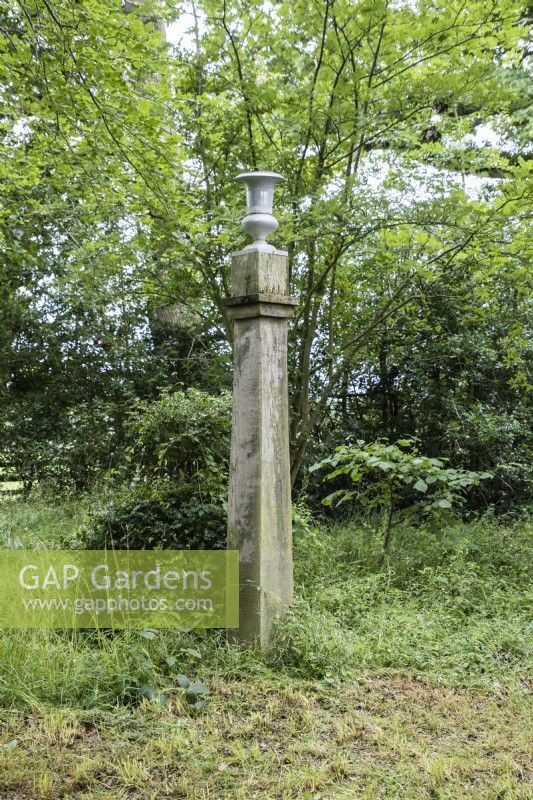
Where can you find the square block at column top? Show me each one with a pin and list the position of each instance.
(259, 272)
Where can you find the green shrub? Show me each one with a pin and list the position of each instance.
(396, 479)
(173, 486)
(67, 455)
(302, 520)
(179, 436)
(171, 515)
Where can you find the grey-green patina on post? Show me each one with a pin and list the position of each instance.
(259, 508)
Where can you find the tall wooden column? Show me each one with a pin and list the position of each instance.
(259, 509)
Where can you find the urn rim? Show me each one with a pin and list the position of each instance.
(246, 176)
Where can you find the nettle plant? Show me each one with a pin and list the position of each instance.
(396, 479)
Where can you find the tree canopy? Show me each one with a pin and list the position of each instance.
(403, 131)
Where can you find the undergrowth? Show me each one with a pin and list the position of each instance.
(447, 609)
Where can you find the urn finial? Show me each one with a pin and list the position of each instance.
(259, 221)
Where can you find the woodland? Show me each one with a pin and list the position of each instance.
(403, 131)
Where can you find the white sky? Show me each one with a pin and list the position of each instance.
(180, 32)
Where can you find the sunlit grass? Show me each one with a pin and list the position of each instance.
(392, 738)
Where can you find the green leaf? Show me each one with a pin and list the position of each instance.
(199, 705)
(192, 652)
(198, 688)
(421, 485)
(154, 696)
(197, 692)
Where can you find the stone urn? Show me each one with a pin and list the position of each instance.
(259, 221)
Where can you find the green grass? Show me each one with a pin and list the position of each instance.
(451, 608)
(42, 522)
(409, 682)
(393, 738)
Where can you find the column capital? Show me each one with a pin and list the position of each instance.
(260, 305)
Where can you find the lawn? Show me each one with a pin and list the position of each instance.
(394, 738)
(408, 682)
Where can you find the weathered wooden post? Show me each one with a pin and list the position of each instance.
(259, 509)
